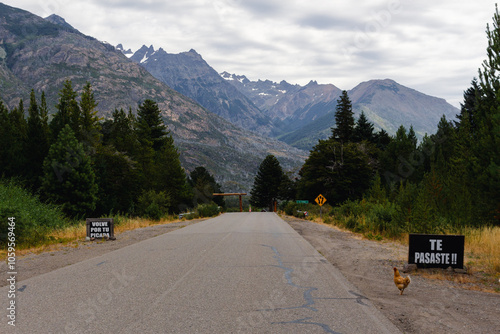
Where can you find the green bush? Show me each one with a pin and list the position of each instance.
(381, 217)
(290, 208)
(299, 214)
(153, 205)
(34, 219)
(207, 210)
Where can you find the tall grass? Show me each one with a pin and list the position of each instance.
(483, 247)
(378, 219)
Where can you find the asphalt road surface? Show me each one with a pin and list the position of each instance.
(237, 273)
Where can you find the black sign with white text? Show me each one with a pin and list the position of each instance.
(98, 228)
(436, 251)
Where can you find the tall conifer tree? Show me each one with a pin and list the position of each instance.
(266, 186)
(89, 129)
(68, 111)
(488, 140)
(344, 119)
(158, 157)
(68, 178)
(37, 143)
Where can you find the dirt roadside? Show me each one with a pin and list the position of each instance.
(427, 306)
(32, 264)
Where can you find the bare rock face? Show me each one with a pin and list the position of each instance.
(189, 74)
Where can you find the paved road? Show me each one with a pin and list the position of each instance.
(238, 273)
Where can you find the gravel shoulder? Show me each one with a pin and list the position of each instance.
(427, 306)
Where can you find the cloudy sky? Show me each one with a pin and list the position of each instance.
(435, 47)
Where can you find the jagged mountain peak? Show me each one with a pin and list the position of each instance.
(189, 74)
(127, 52)
(240, 78)
(143, 54)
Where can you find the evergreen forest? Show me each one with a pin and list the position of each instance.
(83, 166)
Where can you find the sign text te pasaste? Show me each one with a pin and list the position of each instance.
(436, 251)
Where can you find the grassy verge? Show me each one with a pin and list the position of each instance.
(482, 244)
(71, 234)
(43, 227)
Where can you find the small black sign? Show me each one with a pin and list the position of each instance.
(436, 251)
(98, 228)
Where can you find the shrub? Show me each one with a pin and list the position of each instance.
(207, 210)
(153, 205)
(299, 214)
(34, 219)
(290, 208)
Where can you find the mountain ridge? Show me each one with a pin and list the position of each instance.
(386, 103)
(38, 54)
(189, 74)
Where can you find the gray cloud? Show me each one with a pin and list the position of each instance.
(432, 46)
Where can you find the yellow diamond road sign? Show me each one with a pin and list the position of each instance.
(320, 200)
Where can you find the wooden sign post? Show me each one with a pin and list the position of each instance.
(233, 194)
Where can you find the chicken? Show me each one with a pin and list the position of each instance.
(401, 282)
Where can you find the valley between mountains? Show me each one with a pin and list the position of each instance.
(222, 121)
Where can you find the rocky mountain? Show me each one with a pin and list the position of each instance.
(127, 52)
(189, 74)
(306, 113)
(38, 54)
(56, 19)
(282, 100)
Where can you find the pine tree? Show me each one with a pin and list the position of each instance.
(68, 111)
(288, 187)
(266, 186)
(158, 157)
(37, 143)
(487, 146)
(17, 132)
(469, 107)
(118, 175)
(344, 119)
(68, 178)
(89, 129)
(398, 161)
(444, 145)
(364, 129)
(5, 139)
(150, 128)
(459, 180)
(338, 171)
(170, 176)
(120, 133)
(118, 180)
(382, 139)
(204, 186)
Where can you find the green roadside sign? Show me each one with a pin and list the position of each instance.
(302, 201)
